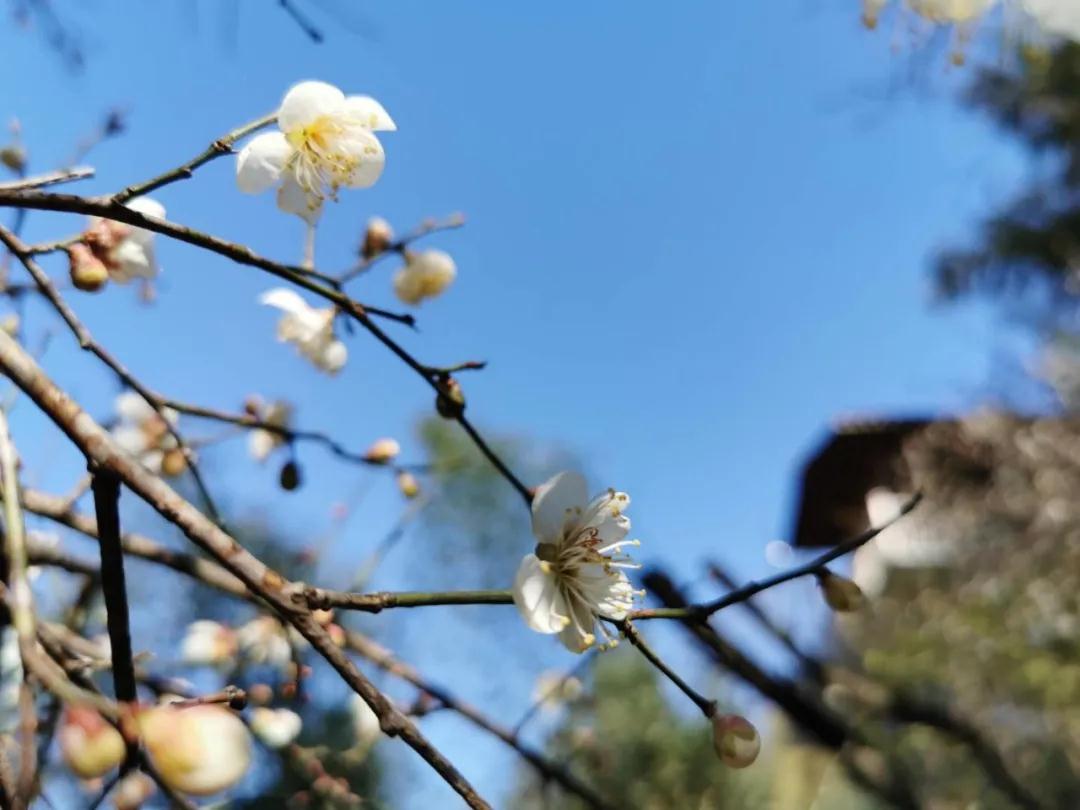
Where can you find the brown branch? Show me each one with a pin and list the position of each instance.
(48, 179)
(87, 343)
(268, 584)
(222, 146)
(294, 274)
(385, 660)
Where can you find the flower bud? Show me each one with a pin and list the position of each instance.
(377, 238)
(289, 477)
(736, 740)
(14, 157)
(173, 462)
(9, 324)
(408, 484)
(382, 451)
(871, 12)
(208, 642)
(91, 747)
(200, 750)
(259, 694)
(88, 272)
(276, 728)
(133, 791)
(841, 594)
(425, 275)
(450, 401)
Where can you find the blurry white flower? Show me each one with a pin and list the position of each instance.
(141, 431)
(126, 251)
(310, 329)
(1055, 17)
(950, 11)
(90, 746)
(736, 740)
(133, 791)
(382, 451)
(576, 574)
(264, 641)
(208, 642)
(366, 727)
(424, 275)
(276, 728)
(11, 678)
(199, 750)
(325, 142)
(553, 689)
(263, 442)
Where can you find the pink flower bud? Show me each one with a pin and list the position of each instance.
(91, 747)
(88, 272)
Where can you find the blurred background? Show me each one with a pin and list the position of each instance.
(765, 269)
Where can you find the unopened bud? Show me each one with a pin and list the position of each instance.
(289, 477)
(173, 463)
(841, 594)
(9, 324)
(91, 747)
(871, 12)
(382, 451)
(323, 617)
(450, 401)
(133, 791)
(736, 740)
(377, 238)
(408, 484)
(88, 272)
(14, 157)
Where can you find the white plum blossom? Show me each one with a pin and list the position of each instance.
(309, 328)
(576, 574)
(209, 643)
(127, 252)
(263, 442)
(276, 728)
(554, 689)
(365, 722)
(324, 143)
(142, 431)
(263, 640)
(425, 274)
(1055, 17)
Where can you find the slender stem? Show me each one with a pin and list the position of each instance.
(322, 599)
(222, 146)
(398, 246)
(708, 707)
(704, 610)
(48, 179)
(106, 487)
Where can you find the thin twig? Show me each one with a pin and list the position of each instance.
(399, 245)
(48, 179)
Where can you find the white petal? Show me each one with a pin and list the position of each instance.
(293, 199)
(370, 113)
(571, 635)
(333, 356)
(131, 260)
(130, 438)
(536, 594)
(558, 503)
(287, 301)
(261, 444)
(131, 407)
(365, 148)
(307, 101)
(260, 162)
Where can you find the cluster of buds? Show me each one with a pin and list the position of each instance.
(425, 274)
(112, 251)
(199, 750)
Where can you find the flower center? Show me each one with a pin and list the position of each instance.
(321, 160)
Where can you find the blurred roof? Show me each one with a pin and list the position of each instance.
(854, 458)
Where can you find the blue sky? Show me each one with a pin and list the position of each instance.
(697, 235)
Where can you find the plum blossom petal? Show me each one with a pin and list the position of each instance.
(306, 102)
(554, 505)
(537, 596)
(370, 113)
(261, 162)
